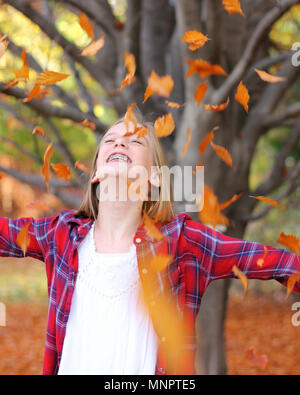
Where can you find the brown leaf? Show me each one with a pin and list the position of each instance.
(242, 96)
(222, 153)
(46, 165)
(164, 125)
(23, 238)
(94, 47)
(269, 77)
(243, 278)
(62, 171)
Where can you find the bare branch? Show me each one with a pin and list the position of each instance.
(20, 148)
(277, 119)
(261, 30)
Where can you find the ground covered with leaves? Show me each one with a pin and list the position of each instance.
(260, 337)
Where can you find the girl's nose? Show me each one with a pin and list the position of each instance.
(120, 141)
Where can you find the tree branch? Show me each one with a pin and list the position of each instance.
(261, 30)
(277, 119)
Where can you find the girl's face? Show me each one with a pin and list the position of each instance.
(136, 151)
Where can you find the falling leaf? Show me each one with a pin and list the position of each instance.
(217, 107)
(267, 200)
(36, 92)
(173, 104)
(142, 131)
(259, 360)
(151, 228)
(291, 283)
(130, 64)
(210, 213)
(222, 153)
(242, 96)
(161, 86)
(290, 241)
(46, 165)
(81, 166)
(160, 262)
(94, 47)
(23, 238)
(164, 125)
(269, 77)
(234, 198)
(203, 145)
(200, 92)
(243, 278)
(24, 71)
(195, 169)
(186, 145)
(86, 122)
(195, 38)
(11, 83)
(233, 7)
(204, 68)
(50, 78)
(130, 117)
(147, 94)
(260, 261)
(62, 171)
(86, 25)
(39, 130)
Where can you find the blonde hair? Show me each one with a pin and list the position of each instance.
(163, 206)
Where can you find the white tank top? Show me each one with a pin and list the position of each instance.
(109, 330)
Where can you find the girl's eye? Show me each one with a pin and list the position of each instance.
(107, 141)
(137, 141)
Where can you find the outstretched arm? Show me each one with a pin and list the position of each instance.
(218, 253)
(39, 231)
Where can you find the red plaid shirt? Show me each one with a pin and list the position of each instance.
(200, 255)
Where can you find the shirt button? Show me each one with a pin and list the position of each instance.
(144, 271)
(138, 240)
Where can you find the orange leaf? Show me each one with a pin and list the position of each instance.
(94, 47)
(186, 145)
(210, 213)
(203, 145)
(290, 241)
(23, 238)
(241, 276)
(242, 96)
(200, 92)
(260, 261)
(259, 360)
(267, 200)
(148, 93)
(161, 86)
(291, 283)
(131, 67)
(81, 166)
(24, 71)
(86, 122)
(151, 228)
(269, 77)
(62, 171)
(195, 38)
(130, 117)
(164, 125)
(233, 7)
(173, 104)
(222, 153)
(38, 130)
(46, 165)
(195, 169)
(35, 92)
(230, 201)
(50, 78)
(11, 83)
(217, 107)
(160, 262)
(204, 68)
(86, 25)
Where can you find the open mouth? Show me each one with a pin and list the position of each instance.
(117, 156)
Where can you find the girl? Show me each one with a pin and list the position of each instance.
(98, 261)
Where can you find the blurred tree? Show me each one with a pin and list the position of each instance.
(152, 31)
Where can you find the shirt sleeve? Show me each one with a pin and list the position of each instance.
(217, 254)
(39, 231)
